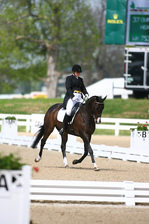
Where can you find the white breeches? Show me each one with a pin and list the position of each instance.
(71, 103)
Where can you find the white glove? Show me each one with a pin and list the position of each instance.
(75, 98)
(86, 97)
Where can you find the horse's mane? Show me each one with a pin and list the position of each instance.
(89, 102)
(90, 99)
(98, 99)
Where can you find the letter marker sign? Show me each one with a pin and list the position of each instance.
(5, 184)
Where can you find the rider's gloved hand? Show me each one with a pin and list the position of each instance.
(75, 98)
(86, 97)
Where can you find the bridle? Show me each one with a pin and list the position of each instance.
(96, 117)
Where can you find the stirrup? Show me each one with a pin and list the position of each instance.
(61, 131)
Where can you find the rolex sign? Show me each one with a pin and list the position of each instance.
(115, 22)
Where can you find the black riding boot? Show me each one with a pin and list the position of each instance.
(65, 122)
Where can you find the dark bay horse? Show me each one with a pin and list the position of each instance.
(82, 126)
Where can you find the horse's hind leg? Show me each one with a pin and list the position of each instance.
(43, 141)
(63, 148)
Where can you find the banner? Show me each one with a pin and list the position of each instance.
(137, 30)
(115, 22)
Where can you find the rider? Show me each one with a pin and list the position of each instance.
(74, 89)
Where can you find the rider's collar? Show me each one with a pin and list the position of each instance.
(75, 76)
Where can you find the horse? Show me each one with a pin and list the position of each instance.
(83, 126)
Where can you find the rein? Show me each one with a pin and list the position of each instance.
(94, 115)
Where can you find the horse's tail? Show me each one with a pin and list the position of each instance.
(38, 137)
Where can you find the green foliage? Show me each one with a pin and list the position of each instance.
(142, 127)
(10, 118)
(10, 162)
(31, 31)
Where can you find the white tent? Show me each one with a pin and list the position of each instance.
(109, 86)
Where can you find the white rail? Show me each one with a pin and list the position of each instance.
(134, 153)
(33, 121)
(127, 192)
(118, 124)
(73, 146)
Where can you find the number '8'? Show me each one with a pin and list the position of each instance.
(143, 134)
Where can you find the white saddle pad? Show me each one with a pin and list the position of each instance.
(61, 114)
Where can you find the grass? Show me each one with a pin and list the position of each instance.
(131, 108)
(116, 108)
(111, 132)
(27, 106)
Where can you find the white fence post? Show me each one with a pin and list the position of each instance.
(117, 128)
(129, 193)
(9, 128)
(26, 195)
(28, 129)
(139, 141)
(15, 196)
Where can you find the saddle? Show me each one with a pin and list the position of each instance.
(62, 111)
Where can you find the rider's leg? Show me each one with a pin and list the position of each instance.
(65, 122)
(67, 117)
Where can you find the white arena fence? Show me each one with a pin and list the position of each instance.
(126, 192)
(75, 147)
(11, 137)
(33, 121)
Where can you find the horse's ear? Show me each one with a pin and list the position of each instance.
(104, 99)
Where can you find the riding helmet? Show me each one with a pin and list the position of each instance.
(76, 68)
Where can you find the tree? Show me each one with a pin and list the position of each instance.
(41, 30)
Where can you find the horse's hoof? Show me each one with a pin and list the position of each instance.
(75, 162)
(66, 166)
(96, 169)
(38, 159)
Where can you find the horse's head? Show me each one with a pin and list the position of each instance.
(97, 108)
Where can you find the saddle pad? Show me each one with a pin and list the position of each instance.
(62, 111)
(61, 114)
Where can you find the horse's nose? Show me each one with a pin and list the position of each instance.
(98, 120)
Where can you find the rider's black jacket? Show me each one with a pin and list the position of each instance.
(72, 83)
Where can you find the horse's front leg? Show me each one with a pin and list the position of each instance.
(86, 141)
(76, 161)
(92, 157)
(63, 148)
(87, 149)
